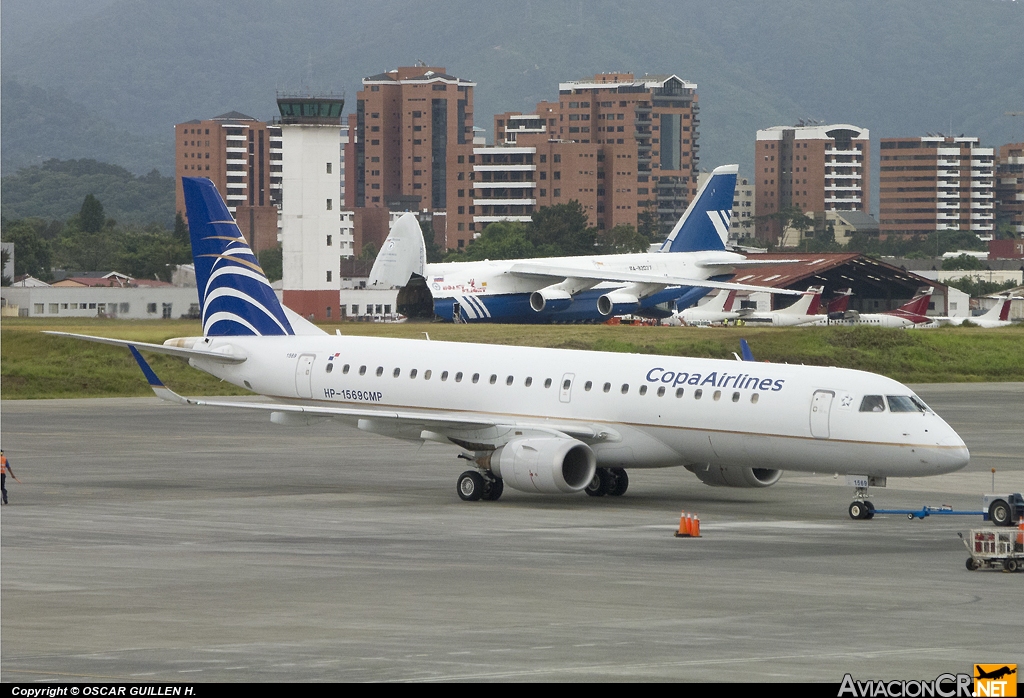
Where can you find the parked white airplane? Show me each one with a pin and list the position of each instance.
(997, 316)
(544, 420)
(692, 260)
(718, 309)
(910, 314)
(804, 311)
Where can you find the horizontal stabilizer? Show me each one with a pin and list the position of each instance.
(181, 352)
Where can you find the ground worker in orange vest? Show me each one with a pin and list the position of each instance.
(5, 470)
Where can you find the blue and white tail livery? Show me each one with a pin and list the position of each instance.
(234, 294)
(705, 225)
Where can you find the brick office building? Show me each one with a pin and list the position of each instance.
(1009, 187)
(242, 156)
(935, 183)
(818, 168)
(411, 148)
(618, 144)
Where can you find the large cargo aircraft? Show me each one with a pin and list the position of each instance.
(543, 420)
(691, 261)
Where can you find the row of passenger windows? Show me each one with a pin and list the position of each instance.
(528, 382)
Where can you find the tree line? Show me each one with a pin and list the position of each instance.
(89, 241)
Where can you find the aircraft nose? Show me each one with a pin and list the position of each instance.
(953, 453)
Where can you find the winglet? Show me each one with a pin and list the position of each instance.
(745, 350)
(162, 391)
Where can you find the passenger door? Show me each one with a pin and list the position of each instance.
(304, 376)
(821, 404)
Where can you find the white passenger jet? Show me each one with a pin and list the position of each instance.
(692, 260)
(543, 420)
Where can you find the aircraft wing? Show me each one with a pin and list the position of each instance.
(748, 263)
(555, 272)
(180, 352)
(409, 422)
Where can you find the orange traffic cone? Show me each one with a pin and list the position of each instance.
(689, 526)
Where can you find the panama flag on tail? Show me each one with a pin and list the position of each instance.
(235, 295)
(705, 225)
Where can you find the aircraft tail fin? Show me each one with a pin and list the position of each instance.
(235, 296)
(705, 223)
(402, 255)
(841, 302)
(807, 304)
(919, 304)
(999, 311)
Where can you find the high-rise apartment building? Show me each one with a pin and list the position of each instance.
(1009, 187)
(618, 144)
(935, 183)
(412, 148)
(816, 168)
(242, 156)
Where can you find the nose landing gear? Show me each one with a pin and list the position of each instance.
(861, 508)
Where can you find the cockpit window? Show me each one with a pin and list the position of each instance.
(872, 403)
(920, 403)
(902, 403)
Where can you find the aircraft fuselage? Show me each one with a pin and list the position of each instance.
(651, 411)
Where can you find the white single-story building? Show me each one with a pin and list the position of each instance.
(132, 303)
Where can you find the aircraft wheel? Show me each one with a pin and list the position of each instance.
(972, 564)
(870, 513)
(493, 490)
(598, 486)
(471, 486)
(858, 511)
(620, 482)
(999, 513)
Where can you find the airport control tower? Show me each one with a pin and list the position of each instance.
(315, 232)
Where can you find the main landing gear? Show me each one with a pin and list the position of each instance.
(613, 481)
(473, 486)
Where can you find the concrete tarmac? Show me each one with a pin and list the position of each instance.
(154, 542)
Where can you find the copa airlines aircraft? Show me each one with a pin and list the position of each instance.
(543, 420)
(692, 260)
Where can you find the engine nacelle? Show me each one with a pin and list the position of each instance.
(546, 465)
(733, 476)
(617, 303)
(550, 299)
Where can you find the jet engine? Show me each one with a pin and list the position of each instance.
(547, 465)
(732, 476)
(617, 303)
(550, 299)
